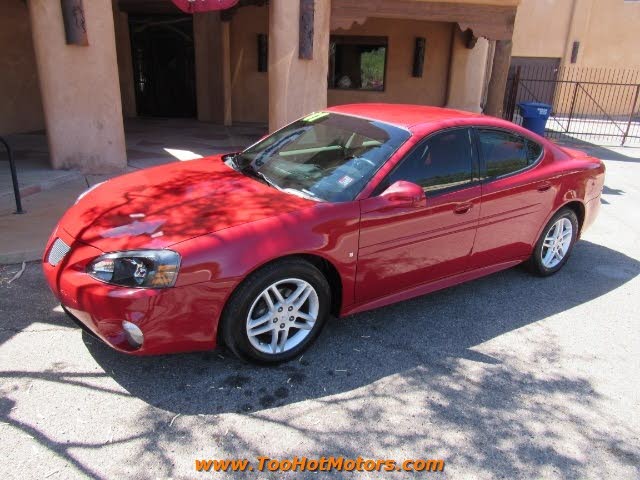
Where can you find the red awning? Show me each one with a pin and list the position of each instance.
(195, 6)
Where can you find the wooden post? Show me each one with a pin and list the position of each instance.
(498, 81)
(226, 72)
(307, 11)
(75, 27)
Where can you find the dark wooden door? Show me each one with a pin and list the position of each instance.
(164, 65)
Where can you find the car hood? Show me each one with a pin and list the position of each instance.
(161, 206)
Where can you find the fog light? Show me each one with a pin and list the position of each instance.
(133, 333)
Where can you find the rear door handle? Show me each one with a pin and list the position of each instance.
(462, 208)
(544, 186)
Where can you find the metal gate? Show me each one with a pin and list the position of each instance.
(599, 105)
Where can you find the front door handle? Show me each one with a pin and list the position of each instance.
(462, 208)
(544, 186)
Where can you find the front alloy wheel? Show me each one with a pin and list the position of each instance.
(282, 316)
(276, 312)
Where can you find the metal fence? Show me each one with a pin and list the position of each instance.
(598, 105)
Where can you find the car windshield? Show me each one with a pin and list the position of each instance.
(324, 156)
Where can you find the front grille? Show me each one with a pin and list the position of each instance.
(58, 251)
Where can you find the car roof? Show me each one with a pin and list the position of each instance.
(403, 115)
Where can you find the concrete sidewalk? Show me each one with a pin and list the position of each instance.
(24, 236)
(48, 193)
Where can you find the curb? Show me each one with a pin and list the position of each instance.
(19, 257)
(32, 189)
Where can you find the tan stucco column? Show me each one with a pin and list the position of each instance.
(125, 61)
(207, 37)
(80, 88)
(467, 72)
(296, 86)
(498, 81)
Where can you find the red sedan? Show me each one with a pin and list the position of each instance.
(342, 211)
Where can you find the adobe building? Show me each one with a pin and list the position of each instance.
(260, 61)
(590, 41)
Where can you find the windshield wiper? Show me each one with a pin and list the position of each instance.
(249, 170)
(231, 158)
(303, 193)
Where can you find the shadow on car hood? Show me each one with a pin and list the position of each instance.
(161, 206)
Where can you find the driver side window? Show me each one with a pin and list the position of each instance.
(444, 161)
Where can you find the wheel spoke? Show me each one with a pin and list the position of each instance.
(283, 340)
(302, 325)
(548, 257)
(277, 294)
(307, 317)
(561, 250)
(269, 302)
(256, 322)
(274, 340)
(302, 298)
(260, 330)
(296, 294)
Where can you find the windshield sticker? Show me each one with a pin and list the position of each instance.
(315, 116)
(345, 181)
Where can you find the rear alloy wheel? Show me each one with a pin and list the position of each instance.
(277, 312)
(555, 244)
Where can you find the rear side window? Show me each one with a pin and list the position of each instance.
(534, 150)
(444, 161)
(506, 152)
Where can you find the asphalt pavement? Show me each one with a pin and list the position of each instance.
(510, 376)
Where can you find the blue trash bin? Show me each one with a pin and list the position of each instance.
(535, 116)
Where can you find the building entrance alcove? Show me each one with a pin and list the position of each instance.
(163, 55)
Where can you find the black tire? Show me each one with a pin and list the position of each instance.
(234, 318)
(535, 263)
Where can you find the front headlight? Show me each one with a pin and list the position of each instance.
(137, 268)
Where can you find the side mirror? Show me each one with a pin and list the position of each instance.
(404, 194)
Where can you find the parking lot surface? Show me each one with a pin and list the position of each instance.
(510, 376)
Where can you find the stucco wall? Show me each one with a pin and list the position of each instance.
(467, 73)
(80, 88)
(541, 28)
(249, 88)
(610, 37)
(606, 29)
(21, 102)
(400, 86)
(296, 86)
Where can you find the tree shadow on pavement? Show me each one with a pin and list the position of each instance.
(407, 376)
(598, 151)
(363, 348)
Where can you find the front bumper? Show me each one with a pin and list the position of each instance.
(172, 320)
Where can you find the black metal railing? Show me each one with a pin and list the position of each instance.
(14, 177)
(591, 104)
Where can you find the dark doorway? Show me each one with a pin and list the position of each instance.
(163, 65)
